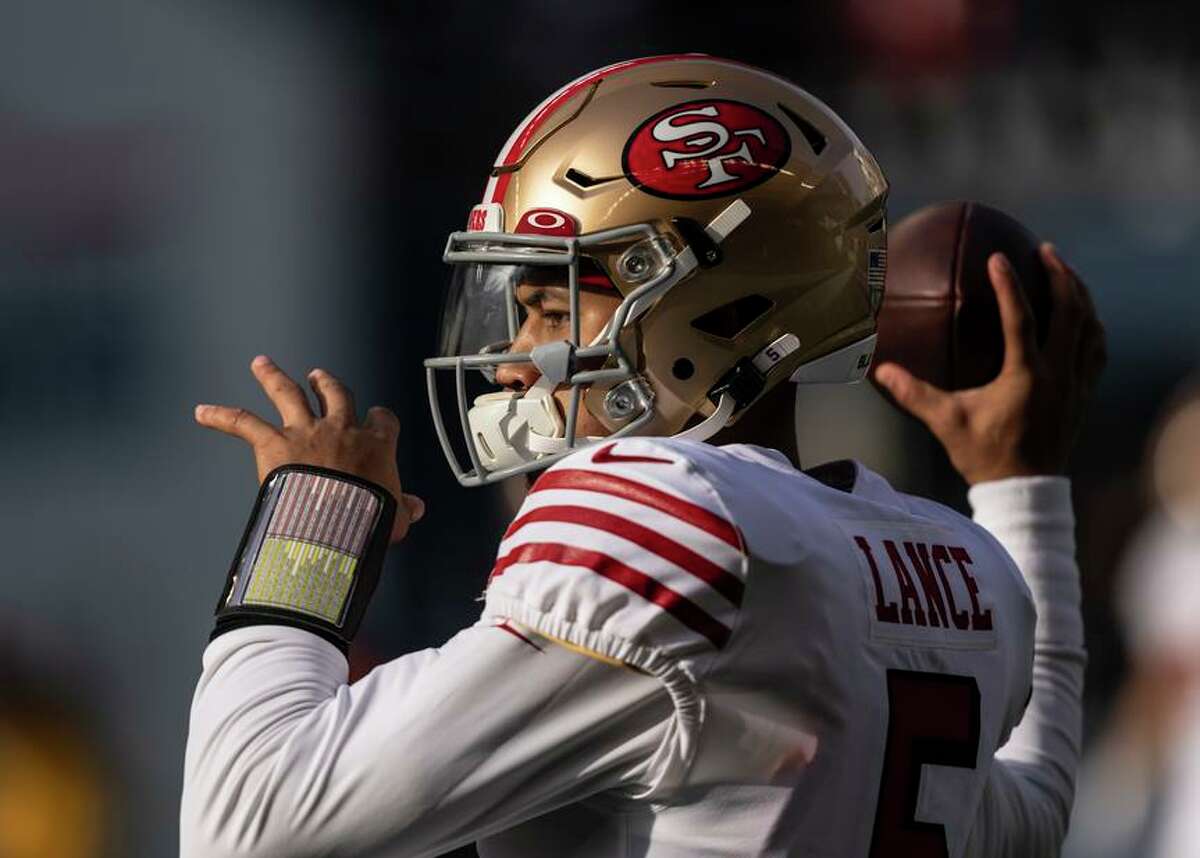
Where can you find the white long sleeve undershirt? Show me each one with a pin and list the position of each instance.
(1027, 803)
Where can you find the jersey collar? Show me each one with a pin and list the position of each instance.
(854, 477)
(847, 475)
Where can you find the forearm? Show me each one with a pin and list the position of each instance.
(1030, 797)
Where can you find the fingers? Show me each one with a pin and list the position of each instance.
(237, 422)
(286, 395)
(1067, 309)
(1016, 317)
(1076, 334)
(337, 402)
(383, 422)
(925, 401)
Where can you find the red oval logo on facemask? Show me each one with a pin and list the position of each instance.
(703, 149)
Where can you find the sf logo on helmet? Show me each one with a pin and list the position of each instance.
(704, 149)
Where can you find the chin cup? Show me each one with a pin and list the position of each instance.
(509, 428)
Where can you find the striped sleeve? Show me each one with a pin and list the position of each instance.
(626, 550)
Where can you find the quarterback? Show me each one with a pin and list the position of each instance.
(689, 646)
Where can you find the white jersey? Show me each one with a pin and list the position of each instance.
(685, 650)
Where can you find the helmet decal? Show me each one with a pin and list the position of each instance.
(704, 149)
(547, 222)
(486, 217)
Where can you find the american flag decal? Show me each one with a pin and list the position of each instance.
(876, 275)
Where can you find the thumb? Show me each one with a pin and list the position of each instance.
(920, 398)
(409, 510)
(414, 506)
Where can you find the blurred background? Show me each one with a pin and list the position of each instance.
(187, 183)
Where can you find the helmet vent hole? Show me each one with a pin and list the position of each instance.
(684, 84)
(683, 369)
(731, 320)
(581, 178)
(814, 137)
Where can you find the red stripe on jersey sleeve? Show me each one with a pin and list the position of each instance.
(594, 481)
(678, 606)
(724, 582)
(508, 628)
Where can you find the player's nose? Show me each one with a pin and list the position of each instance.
(517, 376)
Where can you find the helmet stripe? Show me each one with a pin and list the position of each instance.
(497, 186)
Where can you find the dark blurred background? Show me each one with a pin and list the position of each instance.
(186, 184)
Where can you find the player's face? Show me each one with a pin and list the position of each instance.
(546, 312)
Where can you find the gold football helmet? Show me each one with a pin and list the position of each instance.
(739, 219)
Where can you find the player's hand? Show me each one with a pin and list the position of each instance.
(334, 439)
(1025, 421)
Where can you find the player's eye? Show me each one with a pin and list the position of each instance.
(555, 318)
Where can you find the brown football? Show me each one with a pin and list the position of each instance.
(939, 318)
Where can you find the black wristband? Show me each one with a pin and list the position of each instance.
(311, 554)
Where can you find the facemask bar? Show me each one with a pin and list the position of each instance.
(513, 249)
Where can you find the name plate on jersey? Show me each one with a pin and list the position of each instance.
(922, 586)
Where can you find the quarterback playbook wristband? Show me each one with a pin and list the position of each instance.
(311, 554)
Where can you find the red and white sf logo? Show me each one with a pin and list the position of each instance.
(703, 149)
(706, 140)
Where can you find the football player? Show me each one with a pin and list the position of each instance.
(689, 646)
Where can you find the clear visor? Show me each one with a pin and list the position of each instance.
(481, 309)
(483, 313)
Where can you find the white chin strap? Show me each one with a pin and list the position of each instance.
(513, 428)
(712, 424)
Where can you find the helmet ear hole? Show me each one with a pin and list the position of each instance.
(683, 369)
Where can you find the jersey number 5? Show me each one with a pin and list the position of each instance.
(933, 719)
